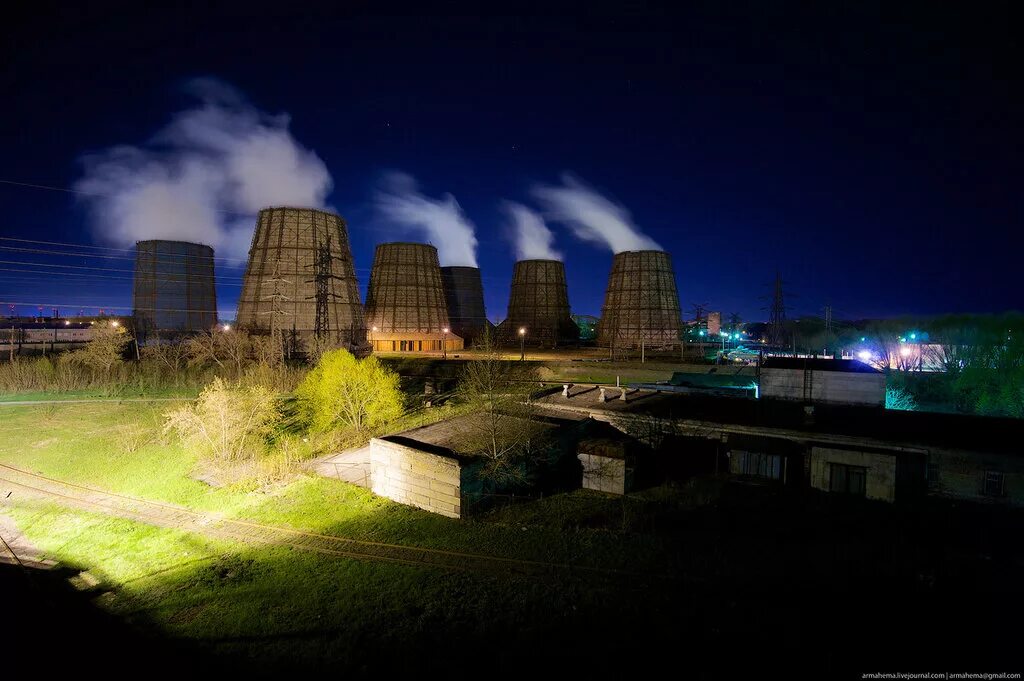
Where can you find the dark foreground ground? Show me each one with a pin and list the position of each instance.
(765, 583)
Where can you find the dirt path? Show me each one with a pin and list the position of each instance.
(98, 400)
(30, 488)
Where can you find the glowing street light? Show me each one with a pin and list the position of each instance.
(522, 343)
(115, 323)
(225, 328)
(444, 343)
(864, 355)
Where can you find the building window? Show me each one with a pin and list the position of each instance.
(994, 484)
(419, 345)
(393, 346)
(847, 479)
(757, 464)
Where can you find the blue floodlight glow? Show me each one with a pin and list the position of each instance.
(863, 338)
(723, 333)
(913, 336)
(701, 333)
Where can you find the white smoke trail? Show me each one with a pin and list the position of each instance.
(204, 176)
(533, 239)
(591, 216)
(441, 221)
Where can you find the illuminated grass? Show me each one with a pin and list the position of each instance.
(116, 447)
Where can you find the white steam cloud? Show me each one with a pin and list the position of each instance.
(533, 239)
(591, 216)
(204, 176)
(441, 221)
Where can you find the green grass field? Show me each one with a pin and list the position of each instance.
(269, 604)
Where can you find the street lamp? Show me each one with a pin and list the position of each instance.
(373, 341)
(522, 343)
(444, 343)
(225, 328)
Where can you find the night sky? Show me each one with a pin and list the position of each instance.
(872, 156)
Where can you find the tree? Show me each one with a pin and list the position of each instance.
(103, 351)
(501, 429)
(227, 425)
(345, 392)
(171, 355)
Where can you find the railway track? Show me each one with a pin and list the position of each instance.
(39, 487)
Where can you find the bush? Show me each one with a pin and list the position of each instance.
(225, 424)
(345, 392)
(899, 399)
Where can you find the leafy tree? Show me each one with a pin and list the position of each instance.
(104, 351)
(345, 392)
(225, 424)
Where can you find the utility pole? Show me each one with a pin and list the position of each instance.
(777, 315)
(277, 310)
(323, 274)
(828, 328)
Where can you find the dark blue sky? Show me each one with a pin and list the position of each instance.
(873, 155)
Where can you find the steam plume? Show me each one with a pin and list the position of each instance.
(533, 239)
(441, 221)
(591, 216)
(203, 176)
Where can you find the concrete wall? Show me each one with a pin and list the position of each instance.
(837, 387)
(880, 482)
(962, 475)
(415, 477)
(604, 473)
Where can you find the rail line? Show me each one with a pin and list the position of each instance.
(177, 517)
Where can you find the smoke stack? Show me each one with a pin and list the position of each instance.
(405, 303)
(641, 303)
(539, 303)
(279, 289)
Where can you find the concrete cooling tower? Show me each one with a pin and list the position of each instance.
(464, 294)
(539, 304)
(406, 309)
(641, 303)
(301, 270)
(173, 287)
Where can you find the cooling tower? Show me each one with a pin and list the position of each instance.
(174, 287)
(405, 302)
(300, 260)
(539, 303)
(641, 302)
(464, 294)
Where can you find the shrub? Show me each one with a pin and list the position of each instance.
(225, 424)
(899, 399)
(345, 392)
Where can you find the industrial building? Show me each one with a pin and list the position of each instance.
(641, 304)
(173, 288)
(812, 380)
(301, 278)
(406, 310)
(853, 450)
(538, 306)
(464, 294)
